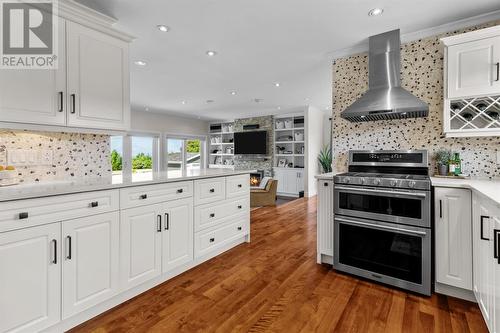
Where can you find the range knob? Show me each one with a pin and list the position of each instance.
(376, 181)
(394, 182)
(411, 184)
(347, 180)
(363, 180)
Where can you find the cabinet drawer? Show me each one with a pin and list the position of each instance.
(208, 215)
(212, 239)
(151, 194)
(209, 190)
(31, 212)
(237, 185)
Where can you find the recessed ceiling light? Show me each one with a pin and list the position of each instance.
(277, 84)
(211, 53)
(258, 100)
(140, 63)
(279, 107)
(183, 102)
(163, 28)
(210, 101)
(146, 108)
(375, 11)
(233, 93)
(306, 99)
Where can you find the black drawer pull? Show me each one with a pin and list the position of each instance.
(180, 190)
(212, 190)
(94, 204)
(495, 244)
(68, 256)
(482, 227)
(239, 228)
(23, 215)
(239, 206)
(325, 184)
(158, 223)
(143, 196)
(212, 240)
(212, 215)
(54, 242)
(240, 186)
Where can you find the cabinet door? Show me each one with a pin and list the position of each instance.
(140, 244)
(35, 95)
(98, 79)
(482, 264)
(278, 175)
(30, 279)
(90, 261)
(325, 217)
(472, 68)
(300, 181)
(177, 234)
(453, 237)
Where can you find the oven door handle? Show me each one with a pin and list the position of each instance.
(378, 226)
(410, 194)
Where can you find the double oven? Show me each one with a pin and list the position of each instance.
(382, 228)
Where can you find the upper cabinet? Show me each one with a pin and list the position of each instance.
(90, 88)
(472, 83)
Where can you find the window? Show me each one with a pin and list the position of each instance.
(184, 154)
(117, 159)
(143, 157)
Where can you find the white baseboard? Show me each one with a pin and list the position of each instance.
(447, 290)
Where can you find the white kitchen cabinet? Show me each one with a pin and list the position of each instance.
(496, 264)
(90, 261)
(140, 244)
(30, 279)
(177, 234)
(98, 79)
(325, 221)
(290, 181)
(35, 96)
(453, 245)
(472, 68)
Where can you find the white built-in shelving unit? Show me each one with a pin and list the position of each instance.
(221, 145)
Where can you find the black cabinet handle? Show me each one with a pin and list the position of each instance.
(167, 221)
(73, 103)
(94, 204)
(325, 184)
(212, 240)
(54, 243)
(212, 215)
(239, 228)
(180, 190)
(158, 223)
(23, 215)
(61, 97)
(498, 71)
(240, 186)
(440, 209)
(482, 227)
(239, 206)
(212, 190)
(69, 247)
(495, 243)
(143, 196)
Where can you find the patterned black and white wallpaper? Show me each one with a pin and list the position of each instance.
(421, 74)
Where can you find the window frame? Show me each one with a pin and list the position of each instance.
(184, 137)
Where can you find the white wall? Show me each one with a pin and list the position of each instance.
(314, 131)
(156, 122)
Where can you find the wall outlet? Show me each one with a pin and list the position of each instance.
(29, 157)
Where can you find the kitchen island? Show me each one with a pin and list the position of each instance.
(72, 250)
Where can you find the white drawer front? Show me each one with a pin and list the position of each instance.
(151, 194)
(208, 215)
(237, 185)
(30, 212)
(212, 239)
(209, 190)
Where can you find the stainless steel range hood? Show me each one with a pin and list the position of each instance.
(385, 99)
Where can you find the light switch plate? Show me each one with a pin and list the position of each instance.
(29, 157)
(498, 157)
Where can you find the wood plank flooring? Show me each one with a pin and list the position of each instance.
(273, 284)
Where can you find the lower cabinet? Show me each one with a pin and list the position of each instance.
(453, 237)
(291, 181)
(30, 278)
(154, 239)
(325, 220)
(90, 261)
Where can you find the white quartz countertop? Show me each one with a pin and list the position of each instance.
(325, 176)
(50, 188)
(489, 188)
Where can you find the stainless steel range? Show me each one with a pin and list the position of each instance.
(382, 225)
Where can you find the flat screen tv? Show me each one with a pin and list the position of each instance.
(250, 143)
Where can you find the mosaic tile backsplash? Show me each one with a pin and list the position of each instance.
(422, 75)
(75, 155)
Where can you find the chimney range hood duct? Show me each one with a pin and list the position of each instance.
(385, 99)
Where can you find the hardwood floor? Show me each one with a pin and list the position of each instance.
(273, 284)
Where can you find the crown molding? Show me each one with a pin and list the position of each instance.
(424, 33)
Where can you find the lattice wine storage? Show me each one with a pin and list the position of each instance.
(480, 115)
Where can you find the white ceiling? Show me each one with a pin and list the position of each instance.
(258, 43)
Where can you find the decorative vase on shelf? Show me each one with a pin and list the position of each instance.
(443, 169)
(280, 124)
(288, 123)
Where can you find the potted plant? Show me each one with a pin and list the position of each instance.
(442, 158)
(325, 158)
